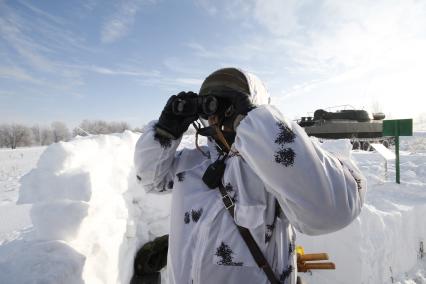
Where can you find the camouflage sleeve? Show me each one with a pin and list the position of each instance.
(155, 159)
(318, 193)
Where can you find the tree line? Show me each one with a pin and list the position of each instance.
(19, 135)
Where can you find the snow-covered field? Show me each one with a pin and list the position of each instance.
(13, 165)
(77, 215)
(384, 244)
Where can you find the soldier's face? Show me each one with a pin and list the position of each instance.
(214, 120)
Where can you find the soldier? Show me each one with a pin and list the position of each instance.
(237, 201)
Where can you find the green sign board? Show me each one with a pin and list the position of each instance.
(398, 127)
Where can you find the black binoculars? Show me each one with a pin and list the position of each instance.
(204, 106)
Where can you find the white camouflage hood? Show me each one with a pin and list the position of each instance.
(259, 94)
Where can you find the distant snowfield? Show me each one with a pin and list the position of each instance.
(78, 216)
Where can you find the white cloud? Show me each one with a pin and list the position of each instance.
(110, 71)
(90, 4)
(201, 51)
(185, 67)
(344, 34)
(35, 43)
(207, 5)
(46, 15)
(395, 80)
(189, 81)
(120, 23)
(329, 52)
(231, 9)
(11, 30)
(279, 17)
(172, 83)
(19, 74)
(30, 48)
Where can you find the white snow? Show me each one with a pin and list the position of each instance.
(386, 153)
(80, 215)
(13, 165)
(383, 244)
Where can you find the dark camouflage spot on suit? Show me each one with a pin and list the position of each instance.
(224, 252)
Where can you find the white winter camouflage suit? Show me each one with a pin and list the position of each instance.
(318, 193)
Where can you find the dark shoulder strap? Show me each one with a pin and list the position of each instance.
(248, 238)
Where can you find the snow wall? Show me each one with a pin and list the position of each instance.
(90, 216)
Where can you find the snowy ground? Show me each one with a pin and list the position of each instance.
(384, 244)
(78, 216)
(13, 165)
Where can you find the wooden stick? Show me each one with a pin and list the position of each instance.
(312, 256)
(308, 266)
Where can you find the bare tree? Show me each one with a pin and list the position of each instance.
(139, 129)
(78, 131)
(118, 127)
(25, 136)
(46, 136)
(3, 136)
(14, 135)
(60, 132)
(87, 126)
(36, 133)
(100, 127)
(94, 127)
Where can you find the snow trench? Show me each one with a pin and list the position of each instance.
(88, 213)
(90, 216)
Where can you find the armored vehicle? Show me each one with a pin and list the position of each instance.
(356, 125)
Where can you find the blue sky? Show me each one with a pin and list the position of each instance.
(121, 60)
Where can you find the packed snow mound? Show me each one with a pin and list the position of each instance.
(88, 213)
(90, 216)
(40, 262)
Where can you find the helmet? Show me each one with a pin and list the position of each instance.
(237, 80)
(225, 79)
(222, 84)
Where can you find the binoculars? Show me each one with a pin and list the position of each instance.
(203, 106)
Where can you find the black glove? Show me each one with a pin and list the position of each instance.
(171, 125)
(240, 105)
